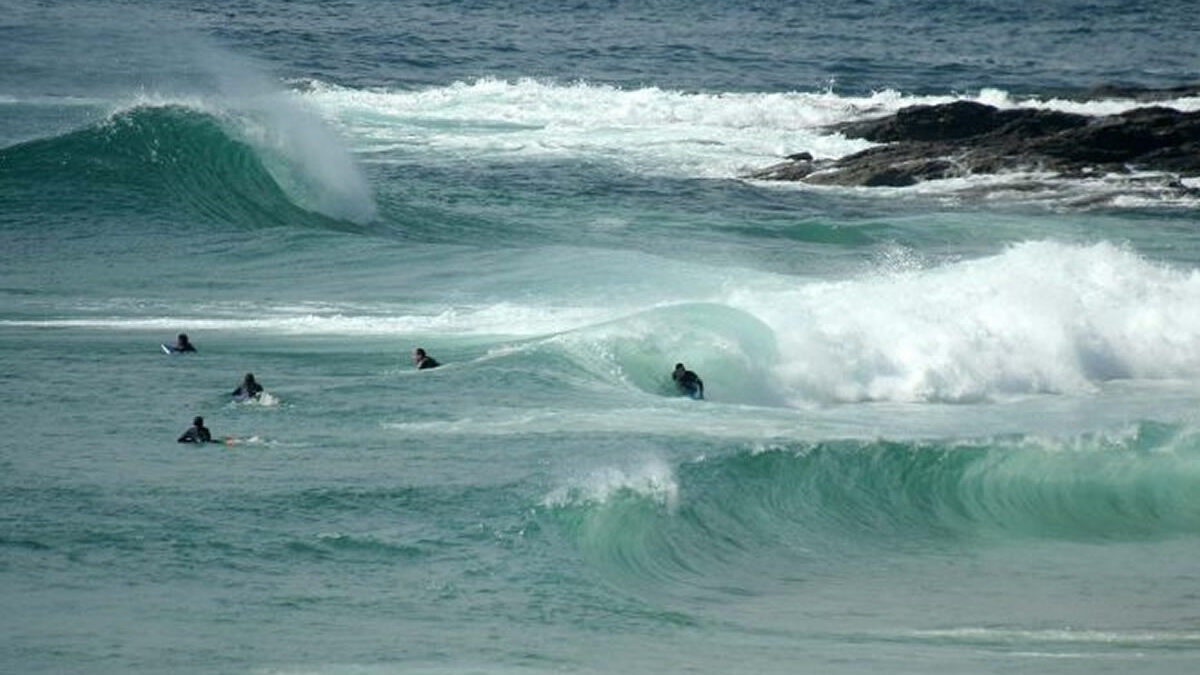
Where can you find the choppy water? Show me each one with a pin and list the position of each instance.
(950, 428)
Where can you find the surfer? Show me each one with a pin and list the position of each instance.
(422, 360)
(182, 344)
(197, 433)
(687, 382)
(249, 388)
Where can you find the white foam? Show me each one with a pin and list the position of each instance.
(1034, 188)
(648, 130)
(494, 319)
(653, 479)
(1180, 638)
(1041, 317)
(54, 100)
(263, 400)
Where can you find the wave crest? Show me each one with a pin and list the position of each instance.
(851, 496)
(161, 157)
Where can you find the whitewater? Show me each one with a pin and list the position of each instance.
(948, 428)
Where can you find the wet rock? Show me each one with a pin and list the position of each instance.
(963, 138)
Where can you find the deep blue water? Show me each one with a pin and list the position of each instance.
(950, 428)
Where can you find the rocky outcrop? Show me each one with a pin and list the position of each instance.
(922, 143)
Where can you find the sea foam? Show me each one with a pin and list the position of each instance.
(653, 479)
(657, 132)
(1040, 317)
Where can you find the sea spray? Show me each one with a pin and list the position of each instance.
(1040, 317)
(161, 63)
(305, 156)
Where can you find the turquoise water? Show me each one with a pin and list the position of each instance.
(951, 428)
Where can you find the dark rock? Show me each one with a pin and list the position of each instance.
(791, 171)
(962, 138)
(886, 167)
(1035, 123)
(961, 119)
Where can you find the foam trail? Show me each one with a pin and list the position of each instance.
(497, 319)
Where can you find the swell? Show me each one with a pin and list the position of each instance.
(1040, 317)
(167, 161)
(173, 527)
(842, 500)
(726, 345)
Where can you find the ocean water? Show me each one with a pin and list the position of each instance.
(952, 428)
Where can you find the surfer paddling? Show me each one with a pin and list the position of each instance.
(197, 433)
(182, 345)
(249, 388)
(422, 360)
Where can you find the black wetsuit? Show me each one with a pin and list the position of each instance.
(427, 362)
(688, 383)
(185, 347)
(248, 391)
(196, 434)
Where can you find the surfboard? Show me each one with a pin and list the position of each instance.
(166, 349)
(242, 396)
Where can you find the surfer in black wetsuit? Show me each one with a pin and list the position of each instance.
(249, 388)
(687, 382)
(197, 433)
(182, 344)
(422, 360)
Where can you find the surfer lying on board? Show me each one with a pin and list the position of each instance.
(197, 433)
(182, 344)
(422, 360)
(687, 382)
(249, 388)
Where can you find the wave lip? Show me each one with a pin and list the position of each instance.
(656, 520)
(157, 156)
(1039, 318)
